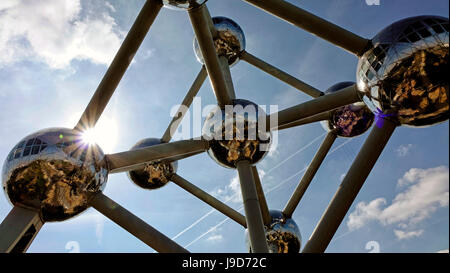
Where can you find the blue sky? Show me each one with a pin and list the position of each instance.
(52, 62)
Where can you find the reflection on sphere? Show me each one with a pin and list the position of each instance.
(236, 136)
(282, 235)
(229, 43)
(152, 175)
(404, 76)
(349, 120)
(54, 171)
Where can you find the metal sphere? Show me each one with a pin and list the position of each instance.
(230, 41)
(349, 120)
(404, 74)
(152, 175)
(282, 235)
(234, 133)
(183, 4)
(54, 172)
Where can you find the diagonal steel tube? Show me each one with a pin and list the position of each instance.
(187, 101)
(281, 75)
(314, 24)
(325, 103)
(318, 117)
(309, 174)
(134, 225)
(255, 224)
(119, 65)
(18, 230)
(199, 18)
(261, 198)
(350, 186)
(130, 160)
(207, 198)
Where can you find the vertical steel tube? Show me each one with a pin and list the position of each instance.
(309, 174)
(281, 75)
(255, 224)
(350, 186)
(199, 18)
(225, 67)
(119, 65)
(18, 230)
(261, 198)
(134, 225)
(187, 101)
(314, 24)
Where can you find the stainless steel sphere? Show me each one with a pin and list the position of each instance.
(53, 171)
(349, 120)
(404, 75)
(230, 41)
(282, 235)
(183, 4)
(152, 175)
(234, 133)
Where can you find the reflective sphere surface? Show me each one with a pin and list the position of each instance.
(183, 4)
(54, 171)
(234, 133)
(230, 41)
(349, 120)
(152, 175)
(404, 76)
(283, 235)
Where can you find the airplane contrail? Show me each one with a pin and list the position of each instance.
(234, 195)
(267, 193)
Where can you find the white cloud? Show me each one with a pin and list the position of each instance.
(231, 192)
(400, 234)
(443, 251)
(426, 191)
(215, 238)
(54, 32)
(403, 150)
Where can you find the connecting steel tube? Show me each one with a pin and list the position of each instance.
(130, 160)
(350, 186)
(314, 24)
(187, 101)
(119, 65)
(210, 200)
(255, 224)
(200, 19)
(309, 174)
(134, 225)
(325, 103)
(281, 75)
(261, 198)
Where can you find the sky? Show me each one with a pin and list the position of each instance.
(54, 53)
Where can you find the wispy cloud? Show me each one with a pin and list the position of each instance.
(427, 191)
(400, 234)
(57, 34)
(403, 149)
(215, 238)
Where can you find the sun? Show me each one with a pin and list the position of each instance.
(104, 134)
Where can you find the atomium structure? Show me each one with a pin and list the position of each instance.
(401, 79)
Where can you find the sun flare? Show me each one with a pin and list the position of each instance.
(104, 134)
